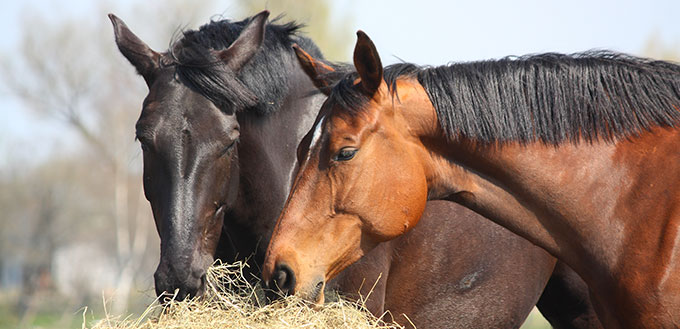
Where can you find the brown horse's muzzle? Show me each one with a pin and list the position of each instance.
(283, 281)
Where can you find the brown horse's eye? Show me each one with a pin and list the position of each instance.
(345, 153)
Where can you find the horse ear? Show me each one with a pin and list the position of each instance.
(367, 63)
(315, 69)
(143, 58)
(247, 43)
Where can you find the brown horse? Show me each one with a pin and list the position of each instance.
(227, 106)
(579, 154)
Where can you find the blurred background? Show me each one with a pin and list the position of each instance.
(75, 229)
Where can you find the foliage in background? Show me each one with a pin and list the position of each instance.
(655, 48)
(334, 38)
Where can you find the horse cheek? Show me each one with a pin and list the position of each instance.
(416, 199)
(406, 204)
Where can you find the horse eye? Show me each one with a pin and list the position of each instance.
(345, 153)
(229, 148)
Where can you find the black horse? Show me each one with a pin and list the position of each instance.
(227, 106)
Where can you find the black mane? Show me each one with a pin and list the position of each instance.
(550, 97)
(262, 82)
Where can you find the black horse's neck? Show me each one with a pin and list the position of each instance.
(267, 155)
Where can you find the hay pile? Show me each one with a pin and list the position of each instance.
(231, 302)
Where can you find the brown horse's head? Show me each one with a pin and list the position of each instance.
(189, 147)
(361, 178)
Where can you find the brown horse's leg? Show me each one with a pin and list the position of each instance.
(565, 302)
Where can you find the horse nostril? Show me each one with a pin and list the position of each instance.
(316, 293)
(284, 278)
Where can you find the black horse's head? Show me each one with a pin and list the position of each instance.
(189, 136)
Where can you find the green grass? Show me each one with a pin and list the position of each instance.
(48, 313)
(8, 319)
(52, 311)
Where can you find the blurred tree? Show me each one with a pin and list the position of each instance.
(330, 31)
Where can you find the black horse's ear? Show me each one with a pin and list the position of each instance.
(247, 43)
(143, 58)
(367, 63)
(315, 69)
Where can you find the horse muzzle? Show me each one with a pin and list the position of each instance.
(173, 282)
(284, 282)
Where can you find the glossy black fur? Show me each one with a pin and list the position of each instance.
(259, 86)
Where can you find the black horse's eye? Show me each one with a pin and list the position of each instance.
(345, 153)
(229, 148)
(145, 141)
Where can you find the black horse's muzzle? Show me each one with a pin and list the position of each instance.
(172, 283)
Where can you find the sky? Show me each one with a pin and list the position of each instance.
(474, 30)
(423, 32)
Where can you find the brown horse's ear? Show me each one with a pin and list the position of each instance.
(367, 63)
(315, 69)
(143, 58)
(247, 44)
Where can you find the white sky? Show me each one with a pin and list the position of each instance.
(424, 32)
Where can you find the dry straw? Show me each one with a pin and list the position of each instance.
(231, 301)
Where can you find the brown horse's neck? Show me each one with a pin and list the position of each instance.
(546, 194)
(583, 202)
(606, 209)
(610, 210)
